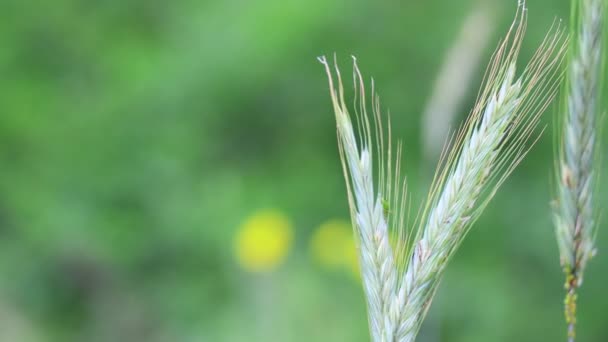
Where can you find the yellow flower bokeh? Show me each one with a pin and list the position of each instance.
(333, 246)
(263, 241)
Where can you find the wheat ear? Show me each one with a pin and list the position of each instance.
(401, 277)
(488, 148)
(574, 212)
(366, 202)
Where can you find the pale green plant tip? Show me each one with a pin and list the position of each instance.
(401, 278)
(367, 212)
(574, 210)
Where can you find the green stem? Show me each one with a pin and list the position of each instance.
(570, 305)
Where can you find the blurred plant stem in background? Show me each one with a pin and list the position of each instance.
(460, 64)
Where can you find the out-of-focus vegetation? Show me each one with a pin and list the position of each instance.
(169, 172)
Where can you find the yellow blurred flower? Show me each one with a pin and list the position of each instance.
(333, 245)
(263, 241)
(352, 258)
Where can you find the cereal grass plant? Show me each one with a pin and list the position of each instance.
(575, 213)
(400, 275)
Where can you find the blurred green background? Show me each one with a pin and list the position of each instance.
(169, 172)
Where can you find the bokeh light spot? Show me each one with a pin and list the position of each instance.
(263, 241)
(333, 246)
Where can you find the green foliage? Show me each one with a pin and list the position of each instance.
(136, 137)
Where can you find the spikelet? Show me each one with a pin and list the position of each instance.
(491, 144)
(574, 212)
(400, 277)
(368, 201)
